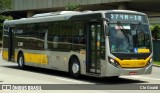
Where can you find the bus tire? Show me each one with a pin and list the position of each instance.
(74, 68)
(21, 62)
(114, 77)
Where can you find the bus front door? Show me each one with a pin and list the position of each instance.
(93, 47)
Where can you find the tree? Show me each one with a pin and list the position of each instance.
(72, 7)
(4, 5)
(155, 32)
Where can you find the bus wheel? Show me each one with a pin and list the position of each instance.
(74, 68)
(114, 77)
(21, 61)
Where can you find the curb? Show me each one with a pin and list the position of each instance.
(156, 65)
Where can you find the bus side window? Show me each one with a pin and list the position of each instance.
(55, 41)
(75, 40)
(45, 38)
(82, 39)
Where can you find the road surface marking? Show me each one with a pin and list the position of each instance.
(147, 78)
(70, 80)
(142, 77)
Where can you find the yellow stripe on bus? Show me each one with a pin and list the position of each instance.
(16, 56)
(5, 55)
(36, 58)
(133, 63)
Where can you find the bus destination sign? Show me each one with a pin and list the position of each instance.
(126, 17)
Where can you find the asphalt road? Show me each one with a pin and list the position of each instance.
(11, 74)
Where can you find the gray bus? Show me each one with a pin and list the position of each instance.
(106, 43)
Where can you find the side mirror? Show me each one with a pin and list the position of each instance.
(107, 32)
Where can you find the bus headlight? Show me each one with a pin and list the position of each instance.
(149, 62)
(113, 62)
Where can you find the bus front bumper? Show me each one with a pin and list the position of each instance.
(114, 71)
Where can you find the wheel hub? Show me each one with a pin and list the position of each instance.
(21, 61)
(75, 68)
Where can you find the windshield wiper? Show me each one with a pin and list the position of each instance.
(138, 28)
(124, 31)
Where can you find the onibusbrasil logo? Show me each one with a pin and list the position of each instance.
(21, 87)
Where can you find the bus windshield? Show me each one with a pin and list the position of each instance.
(129, 38)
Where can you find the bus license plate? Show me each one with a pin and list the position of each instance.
(132, 73)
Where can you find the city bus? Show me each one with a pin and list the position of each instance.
(107, 43)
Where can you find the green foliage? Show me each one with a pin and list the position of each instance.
(4, 4)
(72, 7)
(155, 29)
(151, 27)
(157, 63)
(5, 17)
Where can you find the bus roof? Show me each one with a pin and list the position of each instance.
(61, 16)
